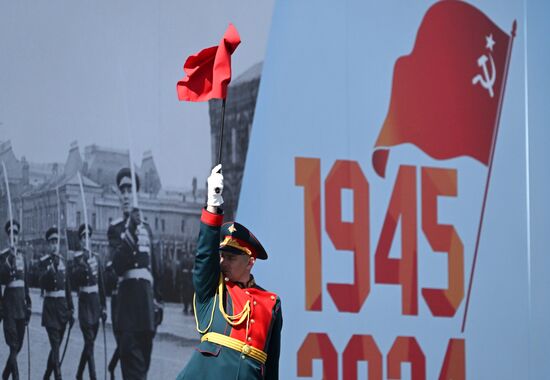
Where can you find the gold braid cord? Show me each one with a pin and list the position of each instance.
(233, 320)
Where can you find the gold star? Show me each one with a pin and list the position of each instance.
(232, 228)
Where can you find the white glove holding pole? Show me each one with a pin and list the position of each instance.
(215, 187)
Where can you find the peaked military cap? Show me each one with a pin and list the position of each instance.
(82, 233)
(16, 227)
(237, 239)
(52, 233)
(124, 177)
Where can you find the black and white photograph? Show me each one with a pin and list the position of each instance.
(91, 131)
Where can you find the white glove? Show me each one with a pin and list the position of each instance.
(215, 181)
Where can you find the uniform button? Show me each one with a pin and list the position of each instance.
(249, 339)
(242, 356)
(255, 303)
(252, 321)
(247, 293)
(273, 298)
(135, 265)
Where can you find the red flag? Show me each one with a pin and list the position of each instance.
(446, 93)
(208, 72)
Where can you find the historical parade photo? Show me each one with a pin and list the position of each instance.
(101, 215)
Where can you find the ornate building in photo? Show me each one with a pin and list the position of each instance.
(44, 195)
(239, 115)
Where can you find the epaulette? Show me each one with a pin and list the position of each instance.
(117, 221)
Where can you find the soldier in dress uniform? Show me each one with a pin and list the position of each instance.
(139, 308)
(57, 308)
(15, 303)
(87, 280)
(240, 322)
(111, 287)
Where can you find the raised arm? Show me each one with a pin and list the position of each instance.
(207, 260)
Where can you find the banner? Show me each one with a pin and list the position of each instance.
(393, 186)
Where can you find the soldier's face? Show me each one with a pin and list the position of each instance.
(125, 198)
(15, 239)
(52, 245)
(236, 267)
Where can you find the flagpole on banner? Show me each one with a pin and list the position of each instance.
(493, 146)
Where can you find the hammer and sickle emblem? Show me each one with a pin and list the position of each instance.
(485, 80)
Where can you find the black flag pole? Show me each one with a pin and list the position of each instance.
(219, 161)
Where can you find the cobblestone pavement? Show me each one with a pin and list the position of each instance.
(171, 350)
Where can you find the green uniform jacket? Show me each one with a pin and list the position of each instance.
(213, 361)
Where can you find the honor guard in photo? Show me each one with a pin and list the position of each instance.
(57, 308)
(15, 302)
(240, 323)
(87, 281)
(139, 299)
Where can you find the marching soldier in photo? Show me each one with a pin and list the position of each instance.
(87, 280)
(240, 322)
(15, 303)
(111, 287)
(57, 308)
(139, 309)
